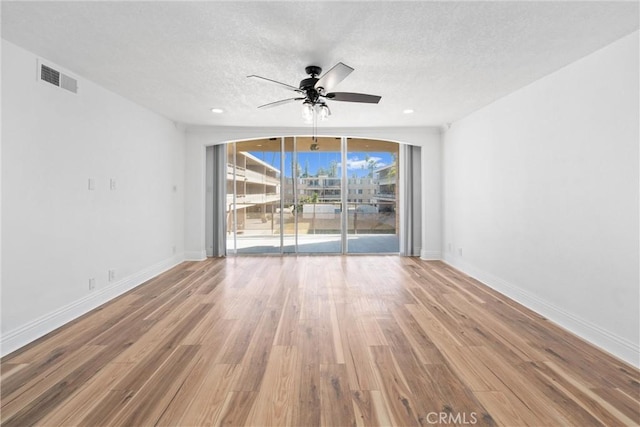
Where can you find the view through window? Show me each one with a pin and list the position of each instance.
(304, 195)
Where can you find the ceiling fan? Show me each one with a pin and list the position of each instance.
(314, 91)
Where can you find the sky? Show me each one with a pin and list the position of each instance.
(356, 162)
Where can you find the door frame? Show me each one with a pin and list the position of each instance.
(344, 195)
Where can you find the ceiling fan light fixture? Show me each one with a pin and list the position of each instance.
(307, 111)
(324, 112)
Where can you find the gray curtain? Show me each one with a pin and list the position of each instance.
(410, 198)
(219, 193)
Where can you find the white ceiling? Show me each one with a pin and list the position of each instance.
(442, 59)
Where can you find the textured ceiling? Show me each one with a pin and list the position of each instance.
(441, 59)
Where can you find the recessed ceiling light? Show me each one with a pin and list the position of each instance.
(217, 110)
(407, 111)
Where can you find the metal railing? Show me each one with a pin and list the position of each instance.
(253, 199)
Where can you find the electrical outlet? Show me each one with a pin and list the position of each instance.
(112, 184)
(112, 275)
(92, 284)
(92, 184)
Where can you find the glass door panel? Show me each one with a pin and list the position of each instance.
(319, 204)
(253, 196)
(372, 193)
(291, 174)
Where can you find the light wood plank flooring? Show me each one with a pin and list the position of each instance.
(318, 340)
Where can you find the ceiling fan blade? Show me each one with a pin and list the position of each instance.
(276, 82)
(334, 76)
(281, 102)
(354, 97)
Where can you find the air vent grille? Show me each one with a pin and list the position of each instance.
(50, 75)
(69, 84)
(57, 78)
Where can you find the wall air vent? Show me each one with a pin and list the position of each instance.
(69, 84)
(56, 78)
(50, 75)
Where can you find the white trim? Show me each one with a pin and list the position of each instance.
(613, 344)
(213, 135)
(430, 255)
(41, 326)
(195, 255)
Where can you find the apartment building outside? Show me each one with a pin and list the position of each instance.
(256, 188)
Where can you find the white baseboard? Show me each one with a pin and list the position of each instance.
(617, 346)
(41, 326)
(430, 255)
(195, 255)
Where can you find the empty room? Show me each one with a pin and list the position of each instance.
(320, 213)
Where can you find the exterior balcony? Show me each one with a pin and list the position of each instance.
(250, 176)
(247, 200)
(387, 180)
(386, 197)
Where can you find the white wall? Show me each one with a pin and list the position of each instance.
(198, 138)
(56, 233)
(541, 196)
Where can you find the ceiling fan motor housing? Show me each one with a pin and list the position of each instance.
(308, 83)
(308, 86)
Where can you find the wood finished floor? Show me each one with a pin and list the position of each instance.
(307, 341)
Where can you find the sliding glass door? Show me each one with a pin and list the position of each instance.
(372, 184)
(319, 202)
(253, 196)
(289, 197)
(312, 195)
